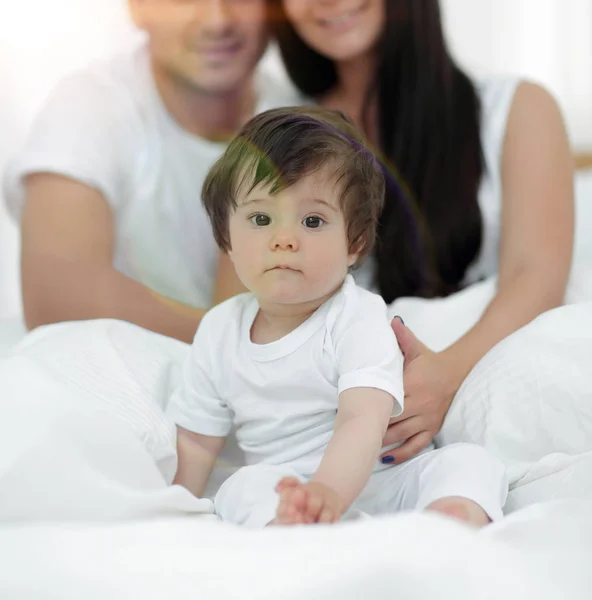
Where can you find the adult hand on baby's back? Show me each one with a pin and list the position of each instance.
(429, 390)
(306, 503)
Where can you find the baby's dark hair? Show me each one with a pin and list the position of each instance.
(280, 146)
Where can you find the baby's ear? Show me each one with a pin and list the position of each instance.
(354, 253)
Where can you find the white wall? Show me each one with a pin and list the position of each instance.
(40, 40)
(549, 41)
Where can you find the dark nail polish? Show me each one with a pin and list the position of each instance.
(400, 319)
(387, 460)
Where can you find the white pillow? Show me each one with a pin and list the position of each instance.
(530, 397)
(114, 366)
(121, 369)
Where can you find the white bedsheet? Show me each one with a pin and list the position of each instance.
(88, 444)
(540, 553)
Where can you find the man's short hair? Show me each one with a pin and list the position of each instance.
(278, 147)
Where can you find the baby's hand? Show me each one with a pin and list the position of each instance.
(304, 503)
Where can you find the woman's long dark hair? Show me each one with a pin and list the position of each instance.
(429, 124)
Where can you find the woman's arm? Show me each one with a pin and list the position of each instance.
(534, 262)
(537, 227)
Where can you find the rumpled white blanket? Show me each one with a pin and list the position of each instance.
(541, 553)
(82, 433)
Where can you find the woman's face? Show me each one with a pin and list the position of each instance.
(341, 30)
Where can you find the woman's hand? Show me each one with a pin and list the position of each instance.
(430, 385)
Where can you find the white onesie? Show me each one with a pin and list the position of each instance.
(282, 397)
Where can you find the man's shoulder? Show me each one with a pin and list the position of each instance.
(119, 81)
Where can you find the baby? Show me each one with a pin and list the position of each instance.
(305, 365)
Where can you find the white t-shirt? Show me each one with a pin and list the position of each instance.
(282, 397)
(496, 94)
(107, 127)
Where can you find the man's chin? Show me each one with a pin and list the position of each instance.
(222, 82)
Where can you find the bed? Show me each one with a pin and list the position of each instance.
(87, 455)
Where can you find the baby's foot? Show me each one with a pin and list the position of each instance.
(461, 508)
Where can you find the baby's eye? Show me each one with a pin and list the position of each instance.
(313, 222)
(260, 220)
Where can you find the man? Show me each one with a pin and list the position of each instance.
(107, 188)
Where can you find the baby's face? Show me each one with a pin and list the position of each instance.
(291, 248)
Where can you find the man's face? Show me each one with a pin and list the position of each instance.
(210, 45)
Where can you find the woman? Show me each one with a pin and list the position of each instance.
(484, 167)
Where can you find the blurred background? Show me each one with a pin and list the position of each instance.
(548, 41)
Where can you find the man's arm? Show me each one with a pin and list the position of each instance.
(196, 457)
(67, 264)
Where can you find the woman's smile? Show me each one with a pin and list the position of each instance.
(343, 21)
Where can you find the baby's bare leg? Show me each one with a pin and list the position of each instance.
(465, 482)
(461, 508)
